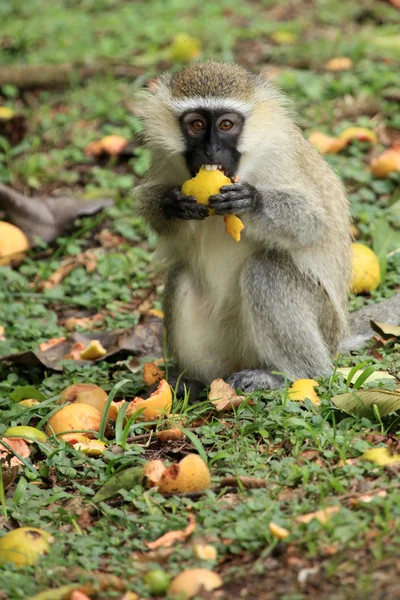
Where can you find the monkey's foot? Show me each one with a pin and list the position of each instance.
(257, 379)
(191, 386)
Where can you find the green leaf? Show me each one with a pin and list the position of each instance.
(123, 480)
(353, 376)
(361, 403)
(384, 240)
(26, 391)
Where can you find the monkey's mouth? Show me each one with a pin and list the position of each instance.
(215, 168)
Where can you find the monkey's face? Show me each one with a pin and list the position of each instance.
(211, 140)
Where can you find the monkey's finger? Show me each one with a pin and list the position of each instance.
(235, 187)
(236, 206)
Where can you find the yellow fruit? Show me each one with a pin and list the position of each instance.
(189, 583)
(191, 474)
(158, 404)
(302, 389)
(381, 456)
(206, 184)
(93, 351)
(6, 113)
(277, 531)
(13, 243)
(91, 394)
(340, 63)
(388, 162)
(29, 402)
(24, 546)
(74, 417)
(184, 48)
(366, 272)
(25, 432)
(362, 134)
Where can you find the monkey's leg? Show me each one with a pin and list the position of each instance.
(283, 308)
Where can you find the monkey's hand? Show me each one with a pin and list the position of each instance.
(179, 206)
(236, 199)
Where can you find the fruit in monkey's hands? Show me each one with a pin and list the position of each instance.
(206, 184)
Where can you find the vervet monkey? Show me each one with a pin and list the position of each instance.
(277, 300)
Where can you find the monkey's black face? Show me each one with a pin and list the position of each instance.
(211, 139)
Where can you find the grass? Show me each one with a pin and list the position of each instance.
(295, 448)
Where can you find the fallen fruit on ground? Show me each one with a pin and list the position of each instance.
(91, 394)
(191, 582)
(209, 183)
(385, 164)
(75, 417)
(362, 134)
(302, 389)
(28, 402)
(205, 552)
(339, 63)
(191, 474)
(159, 403)
(93, 351)
(25, 432)
(365, 270)
(381, 456)
(152, 374)
(24, 546)
(279, 532)
(13, 243)
(184, 48)
(158, 581)
(112, 145)
(326, 144)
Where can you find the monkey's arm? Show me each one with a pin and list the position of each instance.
(164, 206)
(290, 214)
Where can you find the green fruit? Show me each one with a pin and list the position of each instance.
(26, 433)
(24, 546)
(158, 581)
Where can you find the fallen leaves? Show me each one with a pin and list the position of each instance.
(46, 217)
(172, 537)
(223, 396)
(364, 403)
(87, 259)
(19, 446)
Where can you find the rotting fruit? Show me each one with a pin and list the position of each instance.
(191, 474)
(159, 403)
(365, 270)
(91, 394)
(189, 583)
(74, 417)
(206, 184)
(24, 546)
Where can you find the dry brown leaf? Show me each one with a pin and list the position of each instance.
(88, 259)
(322, 516)
(20, 446)
(367, 498)
(50, 343)
(247, 482)
(84, 322)
(223, 396)
(168, 435)
(152, 374)
(108, 239)
(169, 539)
(46, 217)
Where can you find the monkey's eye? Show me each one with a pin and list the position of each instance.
(226, 125)
(198, 125)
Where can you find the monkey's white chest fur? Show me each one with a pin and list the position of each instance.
(208, 332)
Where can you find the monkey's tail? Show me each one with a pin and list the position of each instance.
(387, 311)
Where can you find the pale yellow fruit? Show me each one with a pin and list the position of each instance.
(381, 456)
(302, 389)
(191, 474)
(24, 546)
(277, 531)
(159, 403)
(13, 243)
(365, 270)
(189, 583)
(93, 350)
(75, 417)
(29, 402)
(209, 183)
(25, 432)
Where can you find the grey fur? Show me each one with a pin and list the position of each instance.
(277, 300)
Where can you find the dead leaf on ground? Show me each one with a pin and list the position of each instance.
(169, 539)
(9, 475)
(385, 330)
(87, 259)
(144, 339)
(249, 483)
(108, 239)
(367, 498)
(20, 446)
(223, 396)
(46, 217)
(84, 322)
(322, 516)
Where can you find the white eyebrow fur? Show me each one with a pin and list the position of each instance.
(208, 103)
